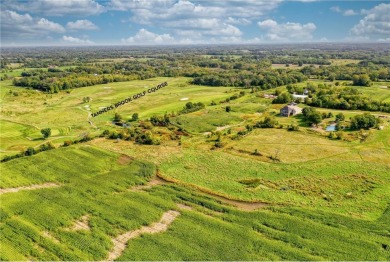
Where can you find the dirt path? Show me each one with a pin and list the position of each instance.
(161, 226)
(32, 187)
(239, 204)
(90, 121)
(220, 128)
(153, 182)
(242, 205)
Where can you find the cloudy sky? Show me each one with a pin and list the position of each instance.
(166, 22)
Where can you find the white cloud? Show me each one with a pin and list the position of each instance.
(204, 27)
(19, 26)
(75, 40)
(143, 36)
(336, 9)
(323, 39)
(45, 24)
(384, 40)
(349, 12)
(238, 21)
(287, 31)
(125, 5)
(82, 25)
(59, 7)
(232, 11)
(376, 23)
(196, 20)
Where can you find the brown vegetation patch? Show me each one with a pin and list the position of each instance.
(32, 187)
(161, 226)
(335, 187)
(49, 236)
(81, 224)
(125, 159)
(242, 205)
(185, 207)
(155, 181)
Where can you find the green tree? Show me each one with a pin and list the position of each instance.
(134, 117)
(283, 98)
(228, 109)
(46, 132)
(315, 118)
(30, 151)
(189, 105)
(306, 111)
(361, 80)
(340, 117)
(117, 118)
(365, 121)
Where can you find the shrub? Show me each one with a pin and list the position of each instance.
(134, 117)
(117, 118)
(160, 120)
(293, 127)
(29, 152)
(268, 122)
(67, 143)
(46, 132)
(340, 117)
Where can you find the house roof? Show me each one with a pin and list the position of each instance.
(291, 107)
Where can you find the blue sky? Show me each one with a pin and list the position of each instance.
(166, 22)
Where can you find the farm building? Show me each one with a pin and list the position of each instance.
(290, 110)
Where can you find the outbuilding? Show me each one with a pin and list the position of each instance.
(290, 110)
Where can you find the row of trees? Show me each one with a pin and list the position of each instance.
(55, 84)
(263, 80)
(335, 97)
(30, 151)
(360, 74)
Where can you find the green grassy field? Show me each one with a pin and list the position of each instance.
(99, 189)
(323, 200)
(378, 91)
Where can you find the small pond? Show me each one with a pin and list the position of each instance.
(331, 127)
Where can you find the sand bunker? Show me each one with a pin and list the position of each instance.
(184, 99)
